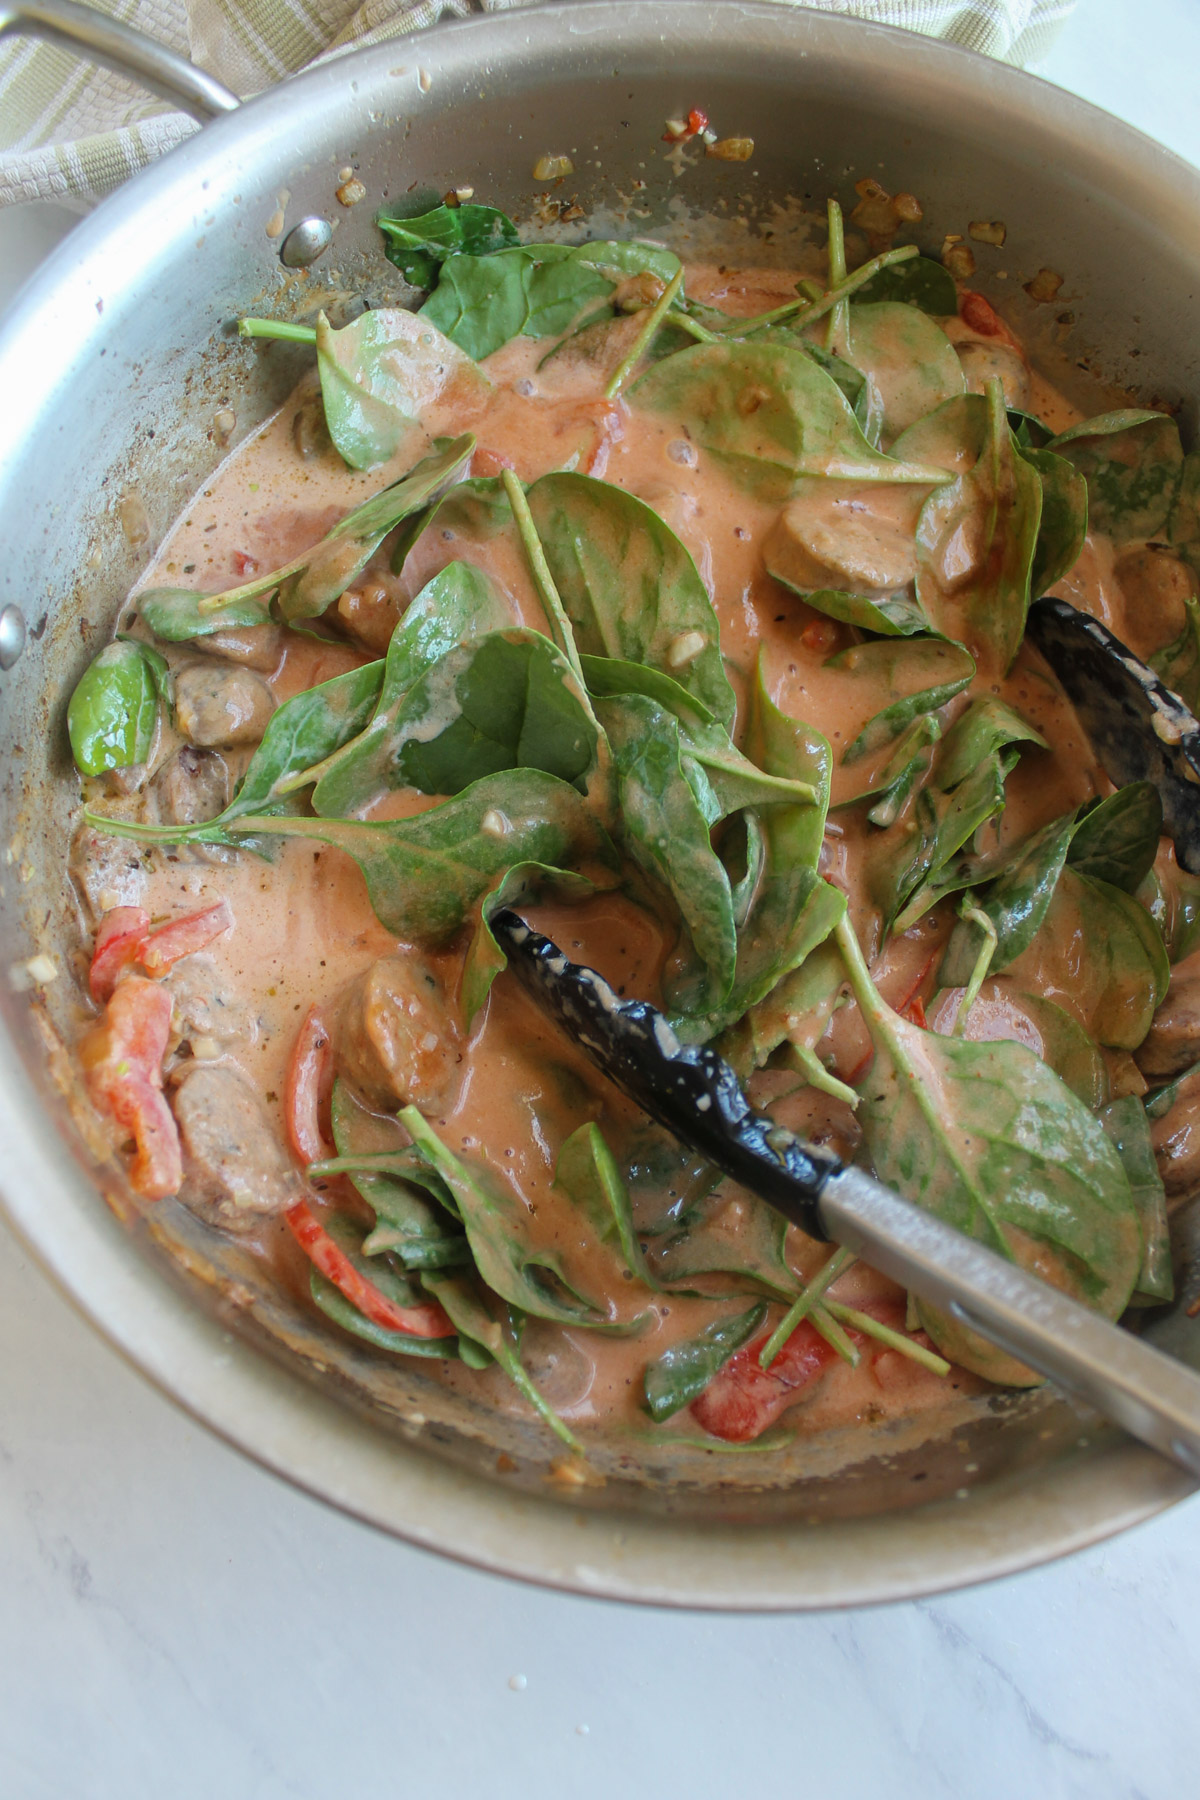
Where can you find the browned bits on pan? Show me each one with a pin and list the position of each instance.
(880, 214)
(1044, 286)
(731, 149)
(988, 231)
(458, 196)
(958, 257)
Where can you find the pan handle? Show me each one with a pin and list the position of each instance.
(103, 40)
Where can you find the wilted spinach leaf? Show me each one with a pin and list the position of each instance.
(419, 246)
(683, 1372)
(482, 1317)
(921, 672)
(769, 414)
(381, 374)
(112, 715)
(991, 1141)
(1132, 462)
(1064, 519)
(920, 282)
(425, 873)
(629, 586)
(407, 1223)
(1127, 1126)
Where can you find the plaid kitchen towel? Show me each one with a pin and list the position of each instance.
(71, 132)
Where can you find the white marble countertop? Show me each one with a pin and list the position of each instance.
(177, 1625)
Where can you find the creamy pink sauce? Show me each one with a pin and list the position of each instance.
(305, 930)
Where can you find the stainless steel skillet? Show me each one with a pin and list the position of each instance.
(126, 330)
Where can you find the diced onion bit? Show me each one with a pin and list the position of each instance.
(685, 648)
(958, 257)
(1044, 286)
(731, 149)
(134, 522)
(351, 192)
(988, 231)
(553, 168)
(493, 823)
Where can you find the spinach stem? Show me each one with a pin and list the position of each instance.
(838, 324)
(803, 1305)
(653, 320)
(975, 915)
(818, 1076)
(543, 580)
(684, 322)
(895, 1340)
(807, 312)
(822, 1320)
(276, 328)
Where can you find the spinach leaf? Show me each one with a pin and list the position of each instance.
(629, 586)
(988, 724)
(312, 583)
(1064, 519)
(476, 510)
(1122, 980)
(908, 361)
(1178, 663)
(1129, 1130)
(988, 1139)
(1068, 1050)
(406, 1222)
(1132, 462)
(380, 1272)
(683, 1372)
(709, 752)
(481, 1318)
(739, 1236)
(1183, 525)
(314, 580)
(112, 715)
(769, 414)
(459, 604)
(588, 1175)
(1116, 839)
(504, 701)
(381, 375)
(481, 302)
(921, 674)
(507, 1256)
(1023, 879)
(419, 246)
(665, 821)
(793, 910)
(921, 282)
(174, 615)
(907, 765)
(921, 849)
(977, 538)
(425, 873)
(892, 616)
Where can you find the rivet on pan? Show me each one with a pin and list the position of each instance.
(12, 636)
(305, 242)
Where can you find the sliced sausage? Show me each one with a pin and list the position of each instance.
(980, 361)
(107, 871)
(218, 706)
(191, 788)
(235, 1173)
(1176, 1140)
(396, 1039)
(1172, 1043)
(255, 647)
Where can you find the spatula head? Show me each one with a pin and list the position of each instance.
(1138, 728)
(688, 1089)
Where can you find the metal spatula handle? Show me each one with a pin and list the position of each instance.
(1154, 1397)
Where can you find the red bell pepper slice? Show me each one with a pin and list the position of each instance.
(743, 1400)
(122, 1061)
(307, 1087)
(425, 1321)
(124, 940)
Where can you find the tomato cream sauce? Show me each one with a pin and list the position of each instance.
(304, 929)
